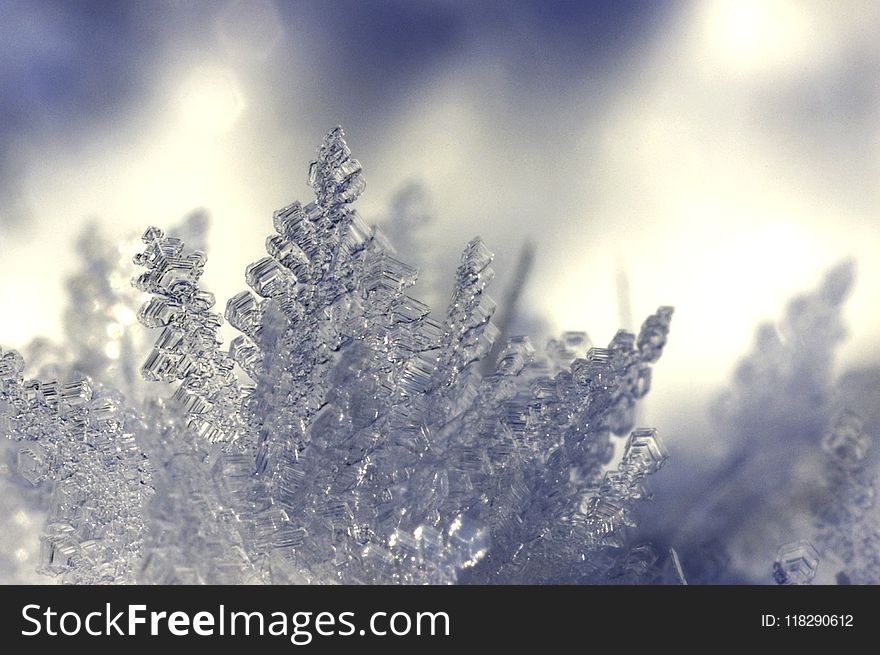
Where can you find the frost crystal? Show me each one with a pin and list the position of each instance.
(846, 442)
(80, 438)
(345, 435)
(796, 563)
(798, 466)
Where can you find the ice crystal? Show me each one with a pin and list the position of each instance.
(346, 434)
(846, 520)
(796, 563)
(846, 441)
(80, 437)
(407, 223)
(797, 467)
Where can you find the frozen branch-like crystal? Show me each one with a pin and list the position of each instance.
(82, 439)
(375, 445)
(349, 435)
(346, 435)
(848, 528)
(335, 176)
(558, 513)
(187, 348)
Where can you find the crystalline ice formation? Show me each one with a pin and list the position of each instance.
(346, 435)
(103, 343)
(79, 437)
(846, 441)
(371, 448)
(796, 563)
(848, 527)
(798, 461)
(193, 535)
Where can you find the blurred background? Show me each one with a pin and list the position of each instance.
(717, 156)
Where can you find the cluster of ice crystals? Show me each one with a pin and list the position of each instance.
(188, 348)
(194, 536)
(371, 447)
(848, 527)
(846, 441)
(846, 524)
(80, 439)
(346, 434)
(798, 465)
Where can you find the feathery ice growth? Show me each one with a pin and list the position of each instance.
(346, 435)
(792, 497)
